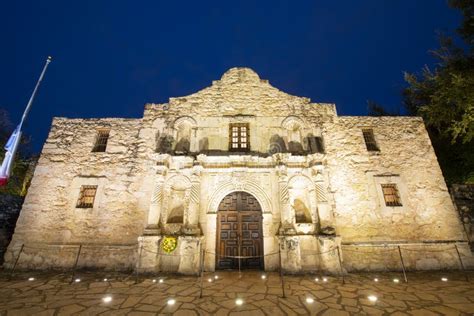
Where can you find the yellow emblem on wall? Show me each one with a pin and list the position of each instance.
(169, 244)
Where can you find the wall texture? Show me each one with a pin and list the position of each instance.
(175, 163)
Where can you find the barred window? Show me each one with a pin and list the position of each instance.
(101, 140)
(239, 137)
(316, 145)
(369, 139)
(86, 196)
(391, 195)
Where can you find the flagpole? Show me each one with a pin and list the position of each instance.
(30, 102)
(14, 141)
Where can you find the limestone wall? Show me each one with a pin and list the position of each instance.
(166, 174)
(407, 159)
(49, 213)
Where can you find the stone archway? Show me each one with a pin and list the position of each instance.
(239, 232)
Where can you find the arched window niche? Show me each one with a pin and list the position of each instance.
(302, 200)
(293, 127)
(184, 130)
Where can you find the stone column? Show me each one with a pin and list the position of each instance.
(329, 260)
(325, 211)
(191, 224)
(193, 142)
(154, 212)
(290, 254)
(190, 254)
(285, 209)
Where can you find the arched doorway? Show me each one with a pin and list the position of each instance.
(239, 232)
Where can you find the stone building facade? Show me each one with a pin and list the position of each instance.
(239, 169)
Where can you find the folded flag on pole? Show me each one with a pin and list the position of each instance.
(11, 148)
(12, 145)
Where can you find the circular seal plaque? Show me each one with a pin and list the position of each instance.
(169, 244)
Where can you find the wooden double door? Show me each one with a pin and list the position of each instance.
(239, 232)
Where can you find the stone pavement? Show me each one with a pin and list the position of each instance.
(51, 294)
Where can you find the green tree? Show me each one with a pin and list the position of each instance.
(376, 109)
(444, 97)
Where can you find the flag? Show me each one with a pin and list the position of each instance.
(14, 140)
(11, 148)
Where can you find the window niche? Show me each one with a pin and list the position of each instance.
(369, 139)
(183, 135)
(239, 137)
(302, 214)
(293, 127)
(302, 199)
(183, 138)
(102, 137)
(86, 196)
(315, 144)
(176, 201)
(391, 194)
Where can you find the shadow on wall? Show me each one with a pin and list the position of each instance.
(165, 144)
(302, 214)
(183, 145)
(176, 215)
(204, 144)
(311, 144)
(277, 145)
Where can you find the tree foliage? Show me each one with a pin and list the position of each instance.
(444, 97)
(376, 109)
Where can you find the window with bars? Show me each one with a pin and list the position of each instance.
(101, 140)
(391, 195)
(316, 145)
(369, 139)
(239, 137)
(86, 196)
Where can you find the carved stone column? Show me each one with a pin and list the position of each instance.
(191, 226)
(285, 208)
(325, 211)
(154, 212)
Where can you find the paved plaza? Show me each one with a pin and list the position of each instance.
(225, 293)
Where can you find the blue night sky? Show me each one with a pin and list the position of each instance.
(112, 57)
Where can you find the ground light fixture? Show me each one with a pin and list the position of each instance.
(239, 302)
(171, 301)
(396, 280)
(107, 299)
(325, 279)
(216, 277)
(105, 280)
(264, 276)
(316, 279)
(161, 281)
(154, 281)
(31, 279)
(77, 280)
(309, 300)
(209, 280)
(376, 280)
(372, 298)
(444, 279)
